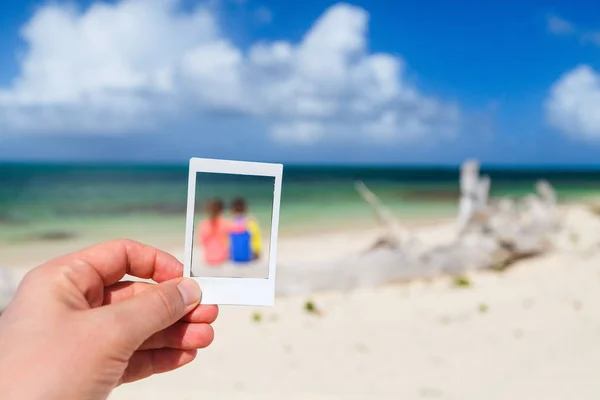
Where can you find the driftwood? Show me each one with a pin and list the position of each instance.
(491, 234)
(395, 234)
(474, 194)
(518, 230)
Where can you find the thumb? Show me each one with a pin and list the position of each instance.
(155, 309)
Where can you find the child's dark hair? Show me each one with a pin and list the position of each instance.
(214, 208)
(238, 205)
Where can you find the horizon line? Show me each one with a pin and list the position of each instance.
(308, 165)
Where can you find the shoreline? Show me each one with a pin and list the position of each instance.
(321, 243)
(166, 234)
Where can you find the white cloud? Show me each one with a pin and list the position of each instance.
(301, 131)
(136, 63)
(559, 26)
(574, 104)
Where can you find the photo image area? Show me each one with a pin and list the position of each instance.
(232, 225)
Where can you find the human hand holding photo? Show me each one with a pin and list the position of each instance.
(73, 331)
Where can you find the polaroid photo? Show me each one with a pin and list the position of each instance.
(231, 230)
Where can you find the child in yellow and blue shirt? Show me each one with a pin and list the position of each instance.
(245, 235)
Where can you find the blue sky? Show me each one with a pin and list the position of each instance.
(429, 82)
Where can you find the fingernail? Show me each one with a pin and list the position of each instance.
(190, 291)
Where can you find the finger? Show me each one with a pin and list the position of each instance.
(115, 258)
(152, 310)
(146, 363)
(203, 314)
(181, 335)
(105, 264)
(122, 291)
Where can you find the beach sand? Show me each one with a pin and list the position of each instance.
(531, 331)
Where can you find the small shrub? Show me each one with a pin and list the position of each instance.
(311, 308)
(462, 281)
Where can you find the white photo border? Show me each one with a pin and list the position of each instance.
(233, 291)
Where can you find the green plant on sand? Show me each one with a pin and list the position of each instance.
(311, 308)
(257, 317)
(462, 281)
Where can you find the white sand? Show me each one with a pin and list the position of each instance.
(532, 332)
(538, 339)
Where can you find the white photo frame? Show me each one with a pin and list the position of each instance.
(234, 291)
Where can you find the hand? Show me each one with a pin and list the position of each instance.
(73, 331)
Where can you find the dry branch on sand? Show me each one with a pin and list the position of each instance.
(395, 234)
(490, 234)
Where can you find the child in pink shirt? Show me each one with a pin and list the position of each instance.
(213, 234)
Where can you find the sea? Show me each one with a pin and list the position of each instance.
(71, 197)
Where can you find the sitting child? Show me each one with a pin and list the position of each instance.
(214, 234)
(245, 236)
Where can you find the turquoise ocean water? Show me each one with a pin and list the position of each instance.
(34, 198)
